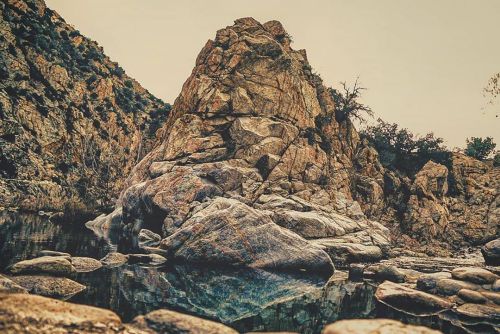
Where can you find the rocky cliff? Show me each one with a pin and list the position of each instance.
(72, 122)
(448, 205)
(252, 168)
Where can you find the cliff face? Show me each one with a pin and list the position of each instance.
(252, 167)
(72, 122)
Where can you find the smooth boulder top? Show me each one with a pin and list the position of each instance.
(55, 287)
(45, 315)
(375, 326)
(474, 275)
(166, 321)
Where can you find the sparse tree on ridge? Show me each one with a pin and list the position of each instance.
(480, 148)
(346, 102)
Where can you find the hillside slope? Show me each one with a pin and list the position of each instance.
(72, 122)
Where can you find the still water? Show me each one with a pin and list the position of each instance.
(242, 298)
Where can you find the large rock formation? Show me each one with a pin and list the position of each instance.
(72, 123)
(449, 204)
(253, 168)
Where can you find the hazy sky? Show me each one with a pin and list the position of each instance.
(424, 62)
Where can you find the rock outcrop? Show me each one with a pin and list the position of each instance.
(459, 204)
(72, 123)
(446, 205)
(253, 168)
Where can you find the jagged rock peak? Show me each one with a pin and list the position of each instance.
(252, 168)
(250, 69)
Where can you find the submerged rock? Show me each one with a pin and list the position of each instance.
(166, 321)
(52, 265)
(55, 287)
(375, 326)
(45, 315)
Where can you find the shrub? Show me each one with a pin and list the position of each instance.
(401, 149)
(479, 148)
(118, 71)
(346, 102)
(496, 160)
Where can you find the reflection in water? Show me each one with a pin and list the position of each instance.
(243, 298)
(23, 235)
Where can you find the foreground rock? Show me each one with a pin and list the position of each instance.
(55, 287)
(52, 265)
(375, 326)
(165, 321)
(23, 313)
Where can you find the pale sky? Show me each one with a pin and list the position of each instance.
(424, 62)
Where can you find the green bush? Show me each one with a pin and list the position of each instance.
(480, 148)
(496, 160)
(401, 149)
